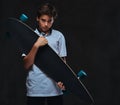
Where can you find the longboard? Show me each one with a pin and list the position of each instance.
(46, 59)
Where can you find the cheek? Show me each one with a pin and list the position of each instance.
(40, 24)
(50, 24)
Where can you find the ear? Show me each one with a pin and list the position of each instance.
(37, 19)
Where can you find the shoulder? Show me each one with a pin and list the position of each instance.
(57, 32)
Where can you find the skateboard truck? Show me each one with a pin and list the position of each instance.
(81, 74)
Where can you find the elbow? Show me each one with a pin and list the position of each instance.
(27, 67)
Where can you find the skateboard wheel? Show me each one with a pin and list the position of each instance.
(81, 74)
(23, 17)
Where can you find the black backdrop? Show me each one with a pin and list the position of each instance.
(91, 29)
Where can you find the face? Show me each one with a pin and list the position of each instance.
(45, 22)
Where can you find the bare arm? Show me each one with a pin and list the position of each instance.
(30, 57)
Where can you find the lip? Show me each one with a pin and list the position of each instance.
(45, 29)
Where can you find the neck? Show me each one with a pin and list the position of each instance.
(46, 32)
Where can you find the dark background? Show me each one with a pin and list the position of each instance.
(92, 32)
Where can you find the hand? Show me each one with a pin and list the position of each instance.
(61, 86)
(41, 41)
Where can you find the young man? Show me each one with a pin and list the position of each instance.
(40, 88)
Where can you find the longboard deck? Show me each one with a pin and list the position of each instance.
(47, 59)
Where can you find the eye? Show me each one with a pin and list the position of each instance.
(50, 21)
(43, 20)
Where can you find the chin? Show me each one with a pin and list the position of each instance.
(45, 31)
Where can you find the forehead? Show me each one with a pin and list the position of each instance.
(46, 17)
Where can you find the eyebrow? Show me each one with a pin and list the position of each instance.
(45, 20)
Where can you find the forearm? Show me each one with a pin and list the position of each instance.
(30, 57)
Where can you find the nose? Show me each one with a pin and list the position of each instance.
(46, 23)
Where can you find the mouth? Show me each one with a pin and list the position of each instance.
(45, 29)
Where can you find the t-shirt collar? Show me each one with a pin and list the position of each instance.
(42, 33)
